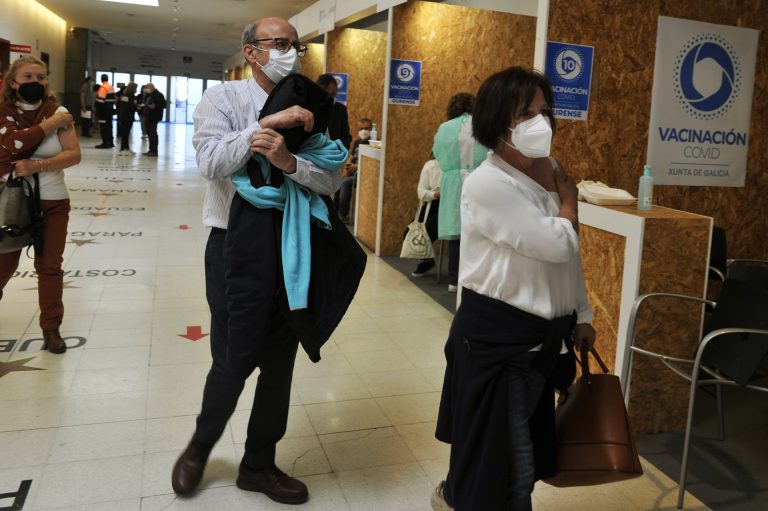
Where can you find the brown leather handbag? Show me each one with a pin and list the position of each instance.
(595, 444)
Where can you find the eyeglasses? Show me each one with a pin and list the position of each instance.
(282, 45)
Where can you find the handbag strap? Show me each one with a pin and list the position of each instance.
(426, 212)
(584, 362)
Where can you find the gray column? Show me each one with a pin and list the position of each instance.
(75, 68)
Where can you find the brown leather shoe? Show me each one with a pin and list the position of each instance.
(53, 342)
(188, 470)
(274, 483)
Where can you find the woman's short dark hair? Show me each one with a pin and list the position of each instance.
(460, 104)
(504, 96)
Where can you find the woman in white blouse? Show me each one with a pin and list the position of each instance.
(428, 191)
(523, 304)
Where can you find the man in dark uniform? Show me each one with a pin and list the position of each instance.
(338, 124)
(154, 109)
(105, 108)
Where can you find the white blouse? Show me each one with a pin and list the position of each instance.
(515, 248)
(52, 185)
(429, 181)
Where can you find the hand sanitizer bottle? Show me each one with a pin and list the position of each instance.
(374, 133)
(645, 190)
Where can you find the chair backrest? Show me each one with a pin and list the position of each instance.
(741, 304)
(718, 252)
(753, 273)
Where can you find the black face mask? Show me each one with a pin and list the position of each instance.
(32, 92)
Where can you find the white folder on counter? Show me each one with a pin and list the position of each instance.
(601, 194)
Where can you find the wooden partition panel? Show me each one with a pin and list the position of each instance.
(367, 210)
(611, 146)
(459, 47)
(313, 63)
(362, 54)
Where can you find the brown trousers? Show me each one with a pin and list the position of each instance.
(50, 276)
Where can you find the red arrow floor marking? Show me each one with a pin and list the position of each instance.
(194, 333)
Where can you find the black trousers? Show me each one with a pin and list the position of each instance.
(105, 128)
(431, 223)
(105, 123)
(274, 353)
(85, 124)
(124, 130)
(152, 123)
(454, 249)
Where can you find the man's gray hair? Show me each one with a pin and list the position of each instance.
(249, 33)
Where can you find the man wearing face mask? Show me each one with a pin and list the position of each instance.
(344, 196)
(228, 132)
(154, 109)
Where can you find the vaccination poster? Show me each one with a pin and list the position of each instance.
(405, 82)
(342, 80)
(703, 81)
(569, 71)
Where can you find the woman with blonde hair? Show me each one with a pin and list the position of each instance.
(37, 142)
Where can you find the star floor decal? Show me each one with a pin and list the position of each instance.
(17, 366)
(80, 243)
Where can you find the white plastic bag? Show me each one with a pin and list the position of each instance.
(417, 244)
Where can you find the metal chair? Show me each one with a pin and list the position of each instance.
(719, 264)
(734, 344)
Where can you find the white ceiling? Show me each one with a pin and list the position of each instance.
(206, 26)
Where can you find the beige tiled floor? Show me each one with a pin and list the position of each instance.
(100, 427)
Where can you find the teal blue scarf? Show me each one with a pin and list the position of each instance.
(299, 206)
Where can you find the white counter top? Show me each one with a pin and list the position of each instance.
(370, 152)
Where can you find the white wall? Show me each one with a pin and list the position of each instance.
(525, 7)
(234, 60)
(28, 22)
(126, 59)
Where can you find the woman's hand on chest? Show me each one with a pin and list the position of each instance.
(542, 172)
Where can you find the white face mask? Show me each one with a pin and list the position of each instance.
(532, 138)
(364, 134)
(281, 64)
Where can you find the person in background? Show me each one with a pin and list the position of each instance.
(86, 105)
(228, 132)
(140, 100)
(429, 192)
(343, 197)
(105, 107)
(95, 129)
(523, 300)
(39, 136)
(338, 124)
(154, 110)
(458, 154)
(126, 113)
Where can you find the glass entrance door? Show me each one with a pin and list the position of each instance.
(186, 93)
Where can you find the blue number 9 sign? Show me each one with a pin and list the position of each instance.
(405, 72)
(405, 82)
